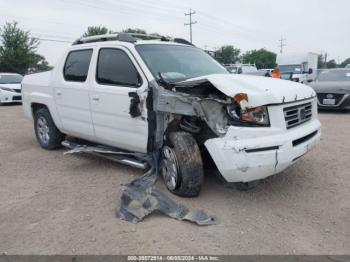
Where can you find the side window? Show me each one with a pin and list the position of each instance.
(77, 65)
(114, 67)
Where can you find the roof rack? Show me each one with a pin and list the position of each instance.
(128, 37)
(125, 37)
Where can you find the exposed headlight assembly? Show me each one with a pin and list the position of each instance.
(257, 116)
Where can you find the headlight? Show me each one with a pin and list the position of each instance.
(257, 116)
(7, 89)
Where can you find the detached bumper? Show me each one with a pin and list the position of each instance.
(247, 154)
(10, 97)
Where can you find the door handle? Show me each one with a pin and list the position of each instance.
(95, 98)
(58, 93)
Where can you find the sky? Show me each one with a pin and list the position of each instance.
(306, 25)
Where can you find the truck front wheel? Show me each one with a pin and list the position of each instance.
(181, 165)
(47, 134)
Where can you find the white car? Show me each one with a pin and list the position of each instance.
(10, 88)
(174, 101)
(241, 68)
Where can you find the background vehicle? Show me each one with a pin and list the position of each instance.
(241, 68)
(174, 100)
(347, 66)
(302, 65)
(10, 88)
(333, 89)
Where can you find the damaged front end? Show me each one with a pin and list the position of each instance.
(231, 118)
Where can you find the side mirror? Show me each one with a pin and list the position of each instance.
(310, 71)
(139, 80)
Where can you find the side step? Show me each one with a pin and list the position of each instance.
(109, 153)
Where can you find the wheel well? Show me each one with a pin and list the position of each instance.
(36, 107)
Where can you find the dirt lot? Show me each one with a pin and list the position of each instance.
(56, 204)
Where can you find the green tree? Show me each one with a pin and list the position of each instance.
(320, 62)
(262, 58)
(135, 30)
(228, 54)
(96, 30)
(345, 62)
(331, 64)
(18, 51)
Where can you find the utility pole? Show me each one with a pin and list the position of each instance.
(282, 44)
(192, 12)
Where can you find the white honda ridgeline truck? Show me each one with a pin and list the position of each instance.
(147, 96)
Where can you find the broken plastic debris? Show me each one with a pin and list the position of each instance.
(140, 198)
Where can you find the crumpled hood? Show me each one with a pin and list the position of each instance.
(11, 86)
(259, 90)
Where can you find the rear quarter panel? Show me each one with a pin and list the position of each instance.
(37, 88)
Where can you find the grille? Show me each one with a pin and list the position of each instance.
(336, 97)
(296, 115)
(16, 98)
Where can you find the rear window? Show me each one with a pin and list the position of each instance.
(77, 65)
(10, 79)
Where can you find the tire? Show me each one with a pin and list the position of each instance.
(182, 155)
(47, 134)
(245, 186)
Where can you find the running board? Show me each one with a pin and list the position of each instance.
(121, 157)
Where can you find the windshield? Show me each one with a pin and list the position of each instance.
(334, 75)
(10, 79)
(177, 63)
(296, 69)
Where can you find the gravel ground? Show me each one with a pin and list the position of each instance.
(56, 204)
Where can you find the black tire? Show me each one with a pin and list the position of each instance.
(245, 186)
(54, 138)
(188, 162)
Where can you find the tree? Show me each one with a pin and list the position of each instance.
(262, 58)
(228, 54)
(135, 30)
(331, 64)
(345, 62)
(18, 51)
(320, 62)
(96, 30)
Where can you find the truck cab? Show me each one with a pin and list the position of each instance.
(299, 67)
(169, 99)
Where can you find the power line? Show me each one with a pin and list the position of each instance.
(282, 44)
(192, 12)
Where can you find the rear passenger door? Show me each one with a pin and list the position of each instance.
(118, 74)
(71, 93)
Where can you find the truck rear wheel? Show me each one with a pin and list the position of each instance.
(47, 134)
(181, 165)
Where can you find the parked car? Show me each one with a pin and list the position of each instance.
(172, 100)
(268, 71)
(333, 89)
(241, 68)
(347, 66)
(10, 88)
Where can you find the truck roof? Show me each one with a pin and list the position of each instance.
(129, 39)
